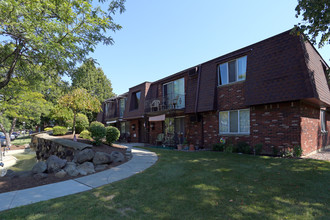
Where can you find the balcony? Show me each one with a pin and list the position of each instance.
(165, 103)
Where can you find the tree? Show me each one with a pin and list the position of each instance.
(53, 34)
(93, 79)
(79, 100)
(19, 102)
(316, 18)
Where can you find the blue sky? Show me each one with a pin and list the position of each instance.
(162, 37)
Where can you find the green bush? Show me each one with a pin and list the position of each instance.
(48, 129)
(85, 134)
(218, 147)
(275, 151)
(258, 149)
(59, 130)
(297, 151)
(229, 148)
(112, 134)
(243, 147)
(82, 123)
(97, 130)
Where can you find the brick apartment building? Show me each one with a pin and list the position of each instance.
(273, 92)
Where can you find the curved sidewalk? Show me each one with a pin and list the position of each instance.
(141, 160)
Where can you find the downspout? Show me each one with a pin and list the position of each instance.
(196, 104)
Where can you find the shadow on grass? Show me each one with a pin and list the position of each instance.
(201, 185)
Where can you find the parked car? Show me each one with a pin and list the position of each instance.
(16, 134)
(2, 139)
(12, 137)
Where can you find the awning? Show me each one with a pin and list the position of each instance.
(157, 118)
(110, 122)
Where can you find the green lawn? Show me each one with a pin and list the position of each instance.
(25, 161)
(21, 140)
(201, 185)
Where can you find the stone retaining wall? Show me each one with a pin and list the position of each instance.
(46, 145)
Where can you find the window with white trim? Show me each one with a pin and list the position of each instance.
(234, 122)
(323, 122)
(232, 71)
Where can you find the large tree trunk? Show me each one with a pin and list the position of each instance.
(8, 142)
(74, 123)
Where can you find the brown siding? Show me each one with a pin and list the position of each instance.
(316, 73)
(208, 83)
(275, 71)
(143, 88)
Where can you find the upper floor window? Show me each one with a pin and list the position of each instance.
(122, 105)
(173, 93)
(232, 71)
(135, 100)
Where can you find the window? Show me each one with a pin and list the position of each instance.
(234, 122)
(232, 71)
(135, 100)
(323, 121)
(122, 104)
(173, 93)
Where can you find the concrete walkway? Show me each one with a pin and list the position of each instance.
(141, 160)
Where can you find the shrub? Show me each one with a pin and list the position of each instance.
(243, 147)
(82, 123)
(229, 148)
(112, 134)
(257, 149)
(59, 130)
(97, 130)
(85, 134)
(288, 152)
(48, 129)
(297, 151)
(218, 147)
(275, 151)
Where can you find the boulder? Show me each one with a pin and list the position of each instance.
(86, 168)
(40, 176)
(60, 174)
(21, 174)
(71, 169)
(117, 156)
(85, 155)
(101, 158)
(39, 167)
(54, 164)
(101, 167)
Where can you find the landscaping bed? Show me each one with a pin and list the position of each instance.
(8, 184)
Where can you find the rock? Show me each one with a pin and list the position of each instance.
(101, 158)
(40, 176)
(54, 164)
(39, 167)
(22, 174)
(60, 174)
(117, 157)
(101, 167)
(10, 173)
(26, 146)
(85, 155)
(71, 169)
(86, 168)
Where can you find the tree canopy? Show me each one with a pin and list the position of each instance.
(316, 20)
(93, 79)
(79, 100)
(54, 35)
(19, 102)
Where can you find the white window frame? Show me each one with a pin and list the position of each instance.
(238, 121)
(226, 63)
(323, 121)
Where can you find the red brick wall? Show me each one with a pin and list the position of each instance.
(193, 130)
(231, 96)
(312, 138)
(158, 128)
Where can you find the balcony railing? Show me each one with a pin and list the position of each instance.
(163, 103)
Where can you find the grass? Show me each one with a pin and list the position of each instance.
(201, 185)
(25, 161)
(21, 140)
